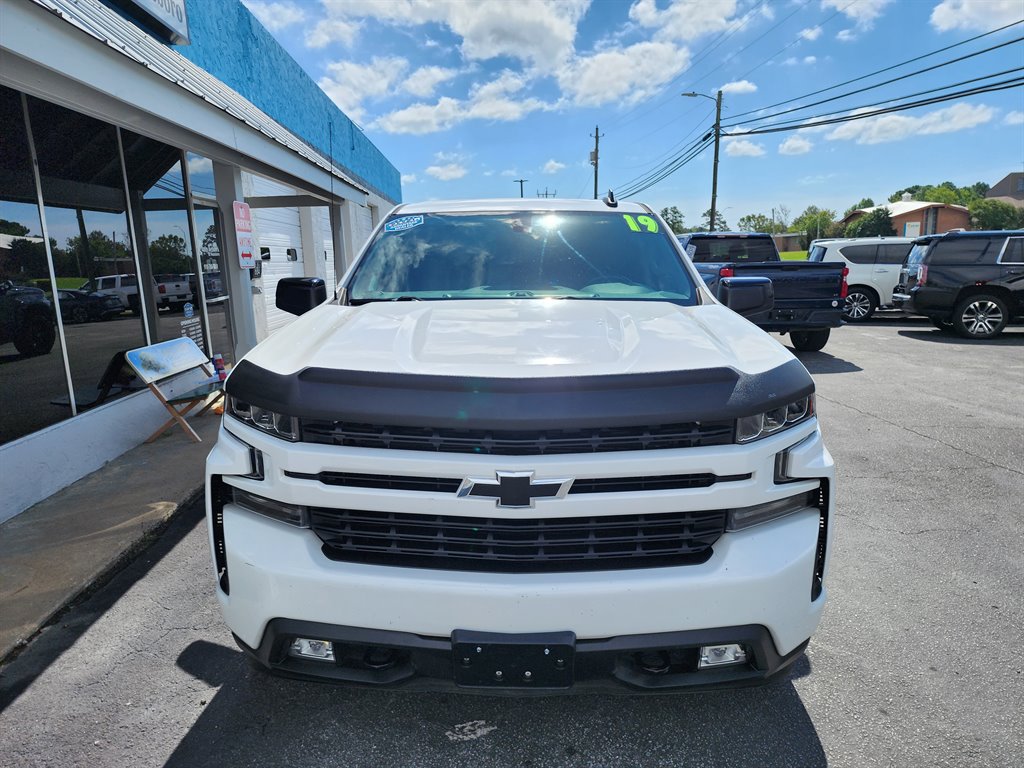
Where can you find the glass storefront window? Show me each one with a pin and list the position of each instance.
(33, 385)
(82, 185)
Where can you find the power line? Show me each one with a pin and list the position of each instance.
(803, 120)
(639, 178)
(667, 170)
(880, 71)
(878, 85)
(1001, 86)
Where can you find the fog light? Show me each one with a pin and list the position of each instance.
(312, 649)
(721, 655)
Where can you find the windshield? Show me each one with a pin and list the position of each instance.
(572, 255)
(917, 253)
(732, 248)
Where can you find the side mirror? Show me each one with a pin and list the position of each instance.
(298, 295)
(747, 296)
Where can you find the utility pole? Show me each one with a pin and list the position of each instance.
(718, 136)
(594, 157)
(714, 177)
(545, 194)
(520, 182)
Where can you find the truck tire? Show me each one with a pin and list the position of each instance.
(79, 315)
(35, 336)
(861, 304)
(982, 316)
(809, 341)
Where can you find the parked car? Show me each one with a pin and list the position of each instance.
(970, 282)
(874, 264)
(808, 296)
(26, 318)
(212, 284)
(524, 449)
(172, 290)
(125, 287)
(81, 306)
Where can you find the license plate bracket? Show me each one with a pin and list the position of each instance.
(497, 660)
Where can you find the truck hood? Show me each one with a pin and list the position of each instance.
(519, 338)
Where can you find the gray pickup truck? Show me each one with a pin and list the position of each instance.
(809, 297)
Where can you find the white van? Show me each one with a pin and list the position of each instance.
(874, 264)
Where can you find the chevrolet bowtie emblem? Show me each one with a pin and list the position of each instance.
(514, 489)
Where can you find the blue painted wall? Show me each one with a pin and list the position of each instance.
(231, 45)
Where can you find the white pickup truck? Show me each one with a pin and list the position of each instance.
(522, 449)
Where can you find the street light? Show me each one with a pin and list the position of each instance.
(718, 134)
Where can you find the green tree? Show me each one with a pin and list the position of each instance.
(874, 224)
(755, 222)
(864, 202)
(720, 224)
(813, 223)
(12, 228)
(945, 192)
(98, 255)
(672, 216)
(168, 254)
(995, 214)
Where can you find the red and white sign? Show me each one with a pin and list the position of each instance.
(243, 231)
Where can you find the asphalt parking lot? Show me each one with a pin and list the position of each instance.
(916, 663)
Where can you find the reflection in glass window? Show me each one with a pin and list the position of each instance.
(33, 385)
(84, 204)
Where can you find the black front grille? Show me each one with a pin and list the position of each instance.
(509, 443)
(517, 545)
(583, 485)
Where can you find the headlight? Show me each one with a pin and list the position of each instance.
(769, 422)
(745, 517)
(293, 514)
(277, 424)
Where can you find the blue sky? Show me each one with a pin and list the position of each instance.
(465, 97)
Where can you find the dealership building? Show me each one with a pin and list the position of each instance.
(130, 132)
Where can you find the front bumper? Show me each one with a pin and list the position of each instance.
(281, 583)
(654, 663)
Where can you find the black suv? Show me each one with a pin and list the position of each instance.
(972, 282)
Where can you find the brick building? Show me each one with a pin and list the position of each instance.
(911, 218)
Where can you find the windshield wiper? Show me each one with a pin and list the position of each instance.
(367, 300)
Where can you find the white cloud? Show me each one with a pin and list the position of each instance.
(487, 101)
(1012, 118)
(795, 145)
(447, 172)
(275, 16)
(810, 59)
(742, 148)
(885, 128)
(739, 86)
(349, 83)
(623, 75)
(683, 21)
(537, 32)
(329, 31)
(510, 172)
(792, 61)
(424, 80)
(422, 118)
(975, 14)
(862, 12)
(553, 166)
(408, 178)
(811, 33)
(202, 165)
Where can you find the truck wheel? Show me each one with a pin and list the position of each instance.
(79, 315)
(981, 316)
(860, 305)
(36, 336)
(809, 341)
